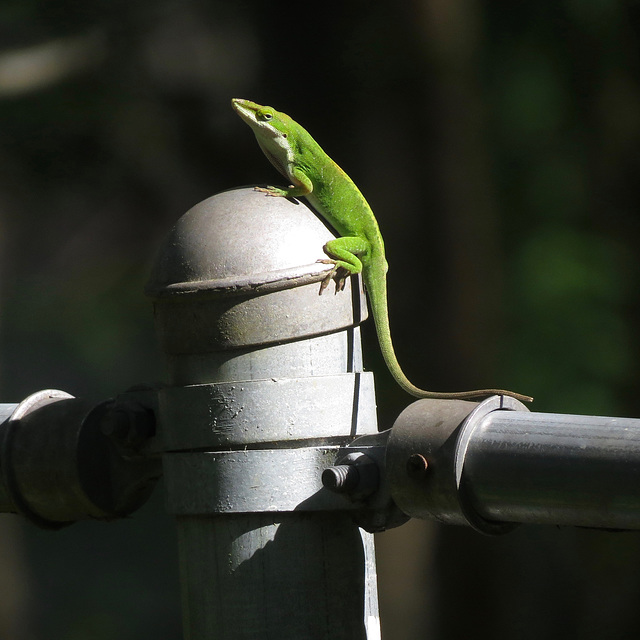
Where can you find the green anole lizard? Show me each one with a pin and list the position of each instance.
(360, 248)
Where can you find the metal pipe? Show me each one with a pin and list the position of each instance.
(558, 469)
(492, 465)
(64, 459)
(6, 410)
(6, 504)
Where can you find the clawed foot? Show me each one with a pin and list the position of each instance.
(270, 191)
(338, 274)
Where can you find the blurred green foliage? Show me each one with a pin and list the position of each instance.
(497, 142)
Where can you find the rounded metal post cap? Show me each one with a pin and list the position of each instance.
(225, 255)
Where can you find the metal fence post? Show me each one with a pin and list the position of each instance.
(265, 388)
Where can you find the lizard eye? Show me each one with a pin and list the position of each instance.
(265, 116)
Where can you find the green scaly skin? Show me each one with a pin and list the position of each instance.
(360, 248)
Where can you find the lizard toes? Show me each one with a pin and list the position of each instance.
(325, 282)
(340, 276)
(270, 191)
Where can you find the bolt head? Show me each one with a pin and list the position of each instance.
(417, 466)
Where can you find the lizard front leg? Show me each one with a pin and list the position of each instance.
(302, 186)
(343, 255)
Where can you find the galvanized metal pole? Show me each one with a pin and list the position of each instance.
(265, 389)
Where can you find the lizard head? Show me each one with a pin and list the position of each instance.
(271, 128)
(255, 115)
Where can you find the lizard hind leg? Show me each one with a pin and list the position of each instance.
(339, 274)
(343, 255)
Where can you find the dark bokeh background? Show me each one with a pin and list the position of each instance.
(498, 144)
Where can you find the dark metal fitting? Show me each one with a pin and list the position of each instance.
(427, 466)
(355, 475)
(128, 424)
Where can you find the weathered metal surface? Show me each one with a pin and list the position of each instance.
(277, 411)
(325, 355)
(265, 390)
(230, 275)
(277, 576)
(255, 480)
(427, 428)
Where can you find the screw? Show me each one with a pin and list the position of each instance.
(417, 465)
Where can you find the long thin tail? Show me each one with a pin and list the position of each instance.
(377, 292)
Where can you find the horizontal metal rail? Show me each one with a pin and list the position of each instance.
(494, 464)
(549, 468)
